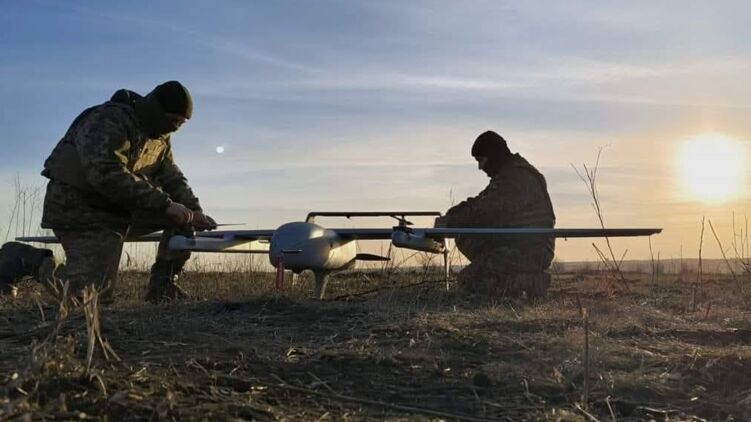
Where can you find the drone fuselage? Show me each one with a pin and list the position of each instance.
(304, 246)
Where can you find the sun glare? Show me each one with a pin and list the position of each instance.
(713, 167)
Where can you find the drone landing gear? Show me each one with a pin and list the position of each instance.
(322, 278)
(446, 269)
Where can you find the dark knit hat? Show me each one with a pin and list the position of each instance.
(174, 98)
(492, 145)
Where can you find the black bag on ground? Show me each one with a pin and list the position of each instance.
(18, 260)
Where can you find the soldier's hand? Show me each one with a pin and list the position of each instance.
(203, 222)
(179, 214)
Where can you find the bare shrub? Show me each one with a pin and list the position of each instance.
(589, 177)
(23, 214)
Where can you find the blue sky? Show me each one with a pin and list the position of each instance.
(374, 105)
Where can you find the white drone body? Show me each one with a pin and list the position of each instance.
(305, 245)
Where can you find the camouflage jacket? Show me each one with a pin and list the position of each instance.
(106, 170)
(517, 196)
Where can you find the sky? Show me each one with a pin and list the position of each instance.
(368, 105)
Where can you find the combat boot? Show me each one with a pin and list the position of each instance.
(163, 285)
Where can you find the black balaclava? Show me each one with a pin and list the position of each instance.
(492, 146)
(169, 97)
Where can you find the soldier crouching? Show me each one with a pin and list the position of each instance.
(516, 197)
(113, 176)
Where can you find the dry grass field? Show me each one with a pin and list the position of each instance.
(396, 347)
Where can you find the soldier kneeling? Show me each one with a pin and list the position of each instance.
(114, 165)
(516, 197)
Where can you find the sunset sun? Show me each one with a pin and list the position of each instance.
(712, 167)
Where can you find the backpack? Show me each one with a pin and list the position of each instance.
(18, 260)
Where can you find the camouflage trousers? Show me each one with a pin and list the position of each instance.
(506, 272)
(93, 257)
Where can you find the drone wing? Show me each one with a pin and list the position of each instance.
(151, 237)
(224, 241)
(442, 233)
(432, 239)
(445, 233)
(238, 235)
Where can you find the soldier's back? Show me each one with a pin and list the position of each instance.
(521, 199)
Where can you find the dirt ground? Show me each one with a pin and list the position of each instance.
(396, 347)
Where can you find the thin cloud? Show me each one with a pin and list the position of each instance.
(217, 43)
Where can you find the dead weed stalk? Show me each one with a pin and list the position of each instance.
(584, 315)
(55, 357)
(699, 271)
(742, 290)
(589, 177)
(90, 308)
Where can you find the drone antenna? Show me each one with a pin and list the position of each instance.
(403, 222)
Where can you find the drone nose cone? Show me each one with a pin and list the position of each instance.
(291, 243)
(293, 236)
(307, 246)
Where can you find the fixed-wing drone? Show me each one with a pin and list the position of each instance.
(305, 245)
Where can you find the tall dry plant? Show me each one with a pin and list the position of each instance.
(653, 271)
(733, 263)
(728, 264)
(612, 264)
(740, 245)
(22, 214)
(90, 307)
(77, 325)
(699, 270)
